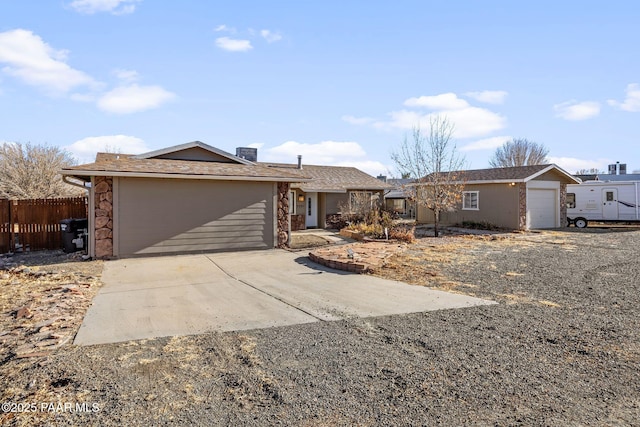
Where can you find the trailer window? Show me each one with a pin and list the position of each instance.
(571, 200)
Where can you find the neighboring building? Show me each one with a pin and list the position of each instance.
(519, 198)
(398, 200)
(329, 189)
(187, 198)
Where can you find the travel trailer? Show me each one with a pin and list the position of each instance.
(603, 201)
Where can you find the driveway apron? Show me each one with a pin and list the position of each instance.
(192, 294)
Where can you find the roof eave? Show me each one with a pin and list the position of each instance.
(88, 173)
(193, 144)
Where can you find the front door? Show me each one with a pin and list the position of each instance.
(311, 208)
(610, 203)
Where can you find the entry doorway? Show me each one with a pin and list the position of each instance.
(610, 203)
(311, 208)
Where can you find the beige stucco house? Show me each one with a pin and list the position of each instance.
(196, 198)
(187, 198)
(519, 198)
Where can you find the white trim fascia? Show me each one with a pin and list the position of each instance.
(178, 176)
(551, 167)
(192, 144)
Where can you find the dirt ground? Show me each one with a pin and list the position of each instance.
(561, 347)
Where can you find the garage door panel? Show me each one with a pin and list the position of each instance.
(542, 208)
(174, 216)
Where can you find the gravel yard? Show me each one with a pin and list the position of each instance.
(562, 347)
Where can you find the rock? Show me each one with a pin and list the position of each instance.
(103, 233)
(104, 248)
(102, 187)
(101, 222)
(23, 312)
(105, 205)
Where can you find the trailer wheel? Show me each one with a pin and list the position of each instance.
(580, 222)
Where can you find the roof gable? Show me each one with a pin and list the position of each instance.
(193, 151)
(331, 179)
(513, 174)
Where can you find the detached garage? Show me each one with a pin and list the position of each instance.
(519, 198)
(184, 199)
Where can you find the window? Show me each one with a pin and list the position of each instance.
(470, 200)
(292, 202)
(571, 200)
(609, 196)
(361, 201)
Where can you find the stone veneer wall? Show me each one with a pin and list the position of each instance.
(297, 222)
(522, 206)
(103, 219)
(563, 205)
(283, 215)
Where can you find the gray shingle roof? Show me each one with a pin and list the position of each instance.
(126, 164)
(515, 174)
(331, 178)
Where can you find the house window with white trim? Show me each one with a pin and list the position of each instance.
(470, 200)
(292, 202)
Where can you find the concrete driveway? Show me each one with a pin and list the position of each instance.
(191, 294)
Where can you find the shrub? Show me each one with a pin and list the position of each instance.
(403, 233)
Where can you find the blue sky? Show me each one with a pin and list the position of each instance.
(339, 82)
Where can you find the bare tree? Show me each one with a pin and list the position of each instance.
(434, 160)
(32, 171)
(592, 171)
(519, 152)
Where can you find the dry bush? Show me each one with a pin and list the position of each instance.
(33, 172)
(403, 233)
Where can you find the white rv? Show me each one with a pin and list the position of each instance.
(603, 201)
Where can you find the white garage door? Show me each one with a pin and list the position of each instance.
(542, 208)
(157, 216)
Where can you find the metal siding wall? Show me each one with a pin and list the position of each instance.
(177, 216)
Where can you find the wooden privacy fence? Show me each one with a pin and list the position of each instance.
(34, 224)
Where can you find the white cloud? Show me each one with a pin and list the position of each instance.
(486, 144)
(357, 120)
(444, 101)
(223, 27)
(85, 150)
(572, 164)
(115, 7)
(632, 101)
(331, 153)
(270, 36)
(126, 76)
(471, 122)
(30, 59)
(233, 45)
(468, 121)
(133, 98)
(488, 96)
(574, 111)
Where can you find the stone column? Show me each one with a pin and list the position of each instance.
(522, 206)
(103, 216)
(283, 215)
(563, 205)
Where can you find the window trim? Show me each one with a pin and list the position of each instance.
(355, 193)
(292, 202)
(464, 199)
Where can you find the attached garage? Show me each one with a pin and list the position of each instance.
(184, 199)
(178, 215)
